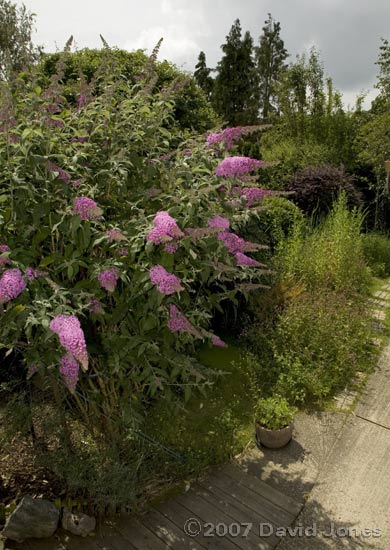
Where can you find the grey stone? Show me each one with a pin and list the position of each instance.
(78, 524)
(32, 518)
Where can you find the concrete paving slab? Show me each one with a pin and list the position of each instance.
(382, 294)
(378, 314)
(374, 405)
(294, 468)
(352, 494)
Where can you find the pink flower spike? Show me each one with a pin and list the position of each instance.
(218, 222)
(243, 260)
(71, 336)
(96, 307)
(179, 322)
(108, 279)
(166, 282)
(171, 248)
(11, 285)
(218, 342)
(237, 166)
(70, 371)
(165, 228)
(86, 208)
(33, 274)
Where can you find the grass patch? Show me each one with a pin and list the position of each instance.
(211, 428)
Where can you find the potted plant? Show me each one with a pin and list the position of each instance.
(274, 422)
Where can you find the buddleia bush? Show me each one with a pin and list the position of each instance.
(116, 247)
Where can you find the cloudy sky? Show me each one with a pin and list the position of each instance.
(347, 32)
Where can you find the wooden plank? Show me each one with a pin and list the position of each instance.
(238, 514)
(178, 514)
(252, 516)
(60, 541)
(209, 514)
(260, 487)
(173, 536)
(141, 537)
(250, 499)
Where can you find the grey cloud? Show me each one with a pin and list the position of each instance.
(346, 31)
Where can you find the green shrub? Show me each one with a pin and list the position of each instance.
(191, 108)
(275, 223)
(329, 256)
(274, 412)
(321, 340)
(310, 332)
(376, 248)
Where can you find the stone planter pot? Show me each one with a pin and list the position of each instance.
(273, 439)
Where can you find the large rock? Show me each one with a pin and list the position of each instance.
(78, 524)
(33, 518)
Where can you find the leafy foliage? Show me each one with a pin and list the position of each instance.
(310, 331)
(112, 151)
(274, 412)
(376, 249)
(95, 68)
(17, 51)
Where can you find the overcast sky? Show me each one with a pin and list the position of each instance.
(347, 32)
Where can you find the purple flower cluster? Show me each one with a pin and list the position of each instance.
(108, 279)
(218, 342)
(253, 195)
(166, 282)
(70, 371)
(33, 274)
(11, 285)
(237, 166)
(243, 260)
(71, 335)
(114, 235)
(165, 229)
(171, 248)
(228, 136)
(235, 244)
(95, 307)
(61, 174)
(179, 322)
(218, 222)
(4, 260)
(79, 139)
(86, 208)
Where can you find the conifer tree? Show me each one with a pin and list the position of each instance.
(235, 95)
(270, 60)
(202, 75)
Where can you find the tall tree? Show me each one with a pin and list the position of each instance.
(270, 59)
(202, 75)
(381, 102)
(16, 48)
(235, 95)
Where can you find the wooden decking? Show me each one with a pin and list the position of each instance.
(228, 508)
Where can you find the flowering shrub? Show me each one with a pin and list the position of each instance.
(96, 193)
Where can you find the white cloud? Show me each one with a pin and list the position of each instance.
(177, 46)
